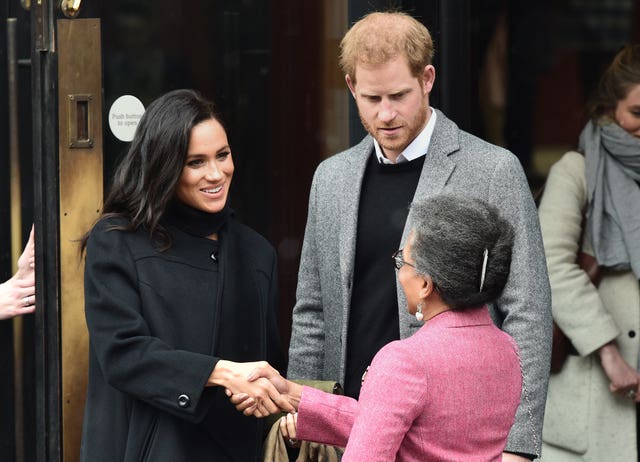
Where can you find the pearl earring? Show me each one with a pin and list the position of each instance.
(419, 315)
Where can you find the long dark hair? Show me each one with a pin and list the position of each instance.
(145, 180)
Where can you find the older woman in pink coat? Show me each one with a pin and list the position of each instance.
(450, 391)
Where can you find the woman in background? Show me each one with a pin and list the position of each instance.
(180, 300)
(591, 205)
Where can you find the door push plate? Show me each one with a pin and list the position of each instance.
(80, 121)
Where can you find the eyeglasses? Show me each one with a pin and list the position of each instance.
(398, 259)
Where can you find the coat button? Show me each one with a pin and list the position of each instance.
(213, 256)
(184, 401)
(632, 333)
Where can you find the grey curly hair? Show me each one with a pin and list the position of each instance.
(450, 235)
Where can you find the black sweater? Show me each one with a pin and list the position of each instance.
(387, 192)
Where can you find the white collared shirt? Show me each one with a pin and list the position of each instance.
(417, 148)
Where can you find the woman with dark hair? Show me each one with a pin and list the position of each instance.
(591, 208)
(450, 391)
(180, 300)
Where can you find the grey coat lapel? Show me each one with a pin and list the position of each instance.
(437, 170)
(438, 166)
(352, 178)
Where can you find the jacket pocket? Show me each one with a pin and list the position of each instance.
(566, 419)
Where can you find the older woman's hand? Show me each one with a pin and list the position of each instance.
(288, 424)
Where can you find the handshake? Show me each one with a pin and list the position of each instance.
(256, 388)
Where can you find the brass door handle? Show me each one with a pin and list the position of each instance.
(80, 123)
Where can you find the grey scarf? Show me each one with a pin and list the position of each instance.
(613, 209)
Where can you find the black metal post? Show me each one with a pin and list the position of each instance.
(45, 161)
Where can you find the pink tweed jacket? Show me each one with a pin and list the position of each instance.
(447, 393)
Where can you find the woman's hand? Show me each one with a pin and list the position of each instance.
(624, 379)
(233, 376)
(17, 295)
(26, 261)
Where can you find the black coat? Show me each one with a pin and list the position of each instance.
(155, 333)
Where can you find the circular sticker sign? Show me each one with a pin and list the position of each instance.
(124, 115)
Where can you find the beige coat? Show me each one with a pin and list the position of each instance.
(584, 421)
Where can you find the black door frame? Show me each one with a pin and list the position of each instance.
(48, 438)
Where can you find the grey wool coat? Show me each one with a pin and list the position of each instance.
(456, 163)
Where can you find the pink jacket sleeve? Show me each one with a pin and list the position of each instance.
(324, 417)
(391, 394)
